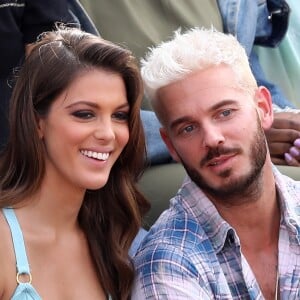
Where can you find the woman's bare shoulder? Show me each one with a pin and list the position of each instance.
(7, 259)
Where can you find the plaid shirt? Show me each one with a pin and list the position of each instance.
(192, 253)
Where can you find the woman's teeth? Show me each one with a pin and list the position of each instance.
(96, 155)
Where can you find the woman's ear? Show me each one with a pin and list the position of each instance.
(264, 107)
(41, 125)
(169, 144)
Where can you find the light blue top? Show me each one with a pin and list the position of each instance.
(24, 290)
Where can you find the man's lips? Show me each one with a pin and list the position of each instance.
(220, 160)
(218, 155)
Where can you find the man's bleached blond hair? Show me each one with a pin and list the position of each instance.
(196, 49)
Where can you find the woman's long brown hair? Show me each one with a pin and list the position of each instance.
(112, 215)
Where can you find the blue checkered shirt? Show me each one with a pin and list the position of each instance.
(192, 253)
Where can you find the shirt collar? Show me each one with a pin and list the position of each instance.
(203, 210)
(288, 193)
(219, 231)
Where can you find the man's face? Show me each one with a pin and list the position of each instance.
(215, 130)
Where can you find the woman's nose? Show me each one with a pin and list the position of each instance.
(104, 130)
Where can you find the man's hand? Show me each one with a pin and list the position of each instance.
(284, 139)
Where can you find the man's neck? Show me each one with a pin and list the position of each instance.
(255, 219)
(257, 224)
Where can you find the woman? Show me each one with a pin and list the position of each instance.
(76, 149)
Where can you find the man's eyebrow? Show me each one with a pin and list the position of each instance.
(178, 121)
(222, 103)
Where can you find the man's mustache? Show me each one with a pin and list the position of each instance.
(216, 152)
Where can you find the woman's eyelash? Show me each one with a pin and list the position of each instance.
(121, 115)
(83, 114)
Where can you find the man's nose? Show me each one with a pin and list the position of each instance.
(212, 136)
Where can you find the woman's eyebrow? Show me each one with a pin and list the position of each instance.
(89, 103)
(95, 105)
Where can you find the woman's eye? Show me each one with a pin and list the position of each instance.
(121, 116)
(83, 114)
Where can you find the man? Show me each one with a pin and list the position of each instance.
(232, 230)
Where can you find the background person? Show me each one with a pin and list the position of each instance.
(20, 23)
(282, 64)
(266, 23)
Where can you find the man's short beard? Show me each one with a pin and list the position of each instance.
(246, 186)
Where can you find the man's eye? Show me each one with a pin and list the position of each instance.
(121, 116)
(226, 113)
(188, 129)
(83, 114)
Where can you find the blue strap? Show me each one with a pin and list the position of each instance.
(18, 241)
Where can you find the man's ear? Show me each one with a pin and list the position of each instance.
(264, 107)
(169, 144)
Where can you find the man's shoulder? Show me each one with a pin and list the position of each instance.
(176, 248)
(288, 181)
(175, 232)
(289, 187)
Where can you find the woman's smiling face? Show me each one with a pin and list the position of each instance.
(86, 129)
